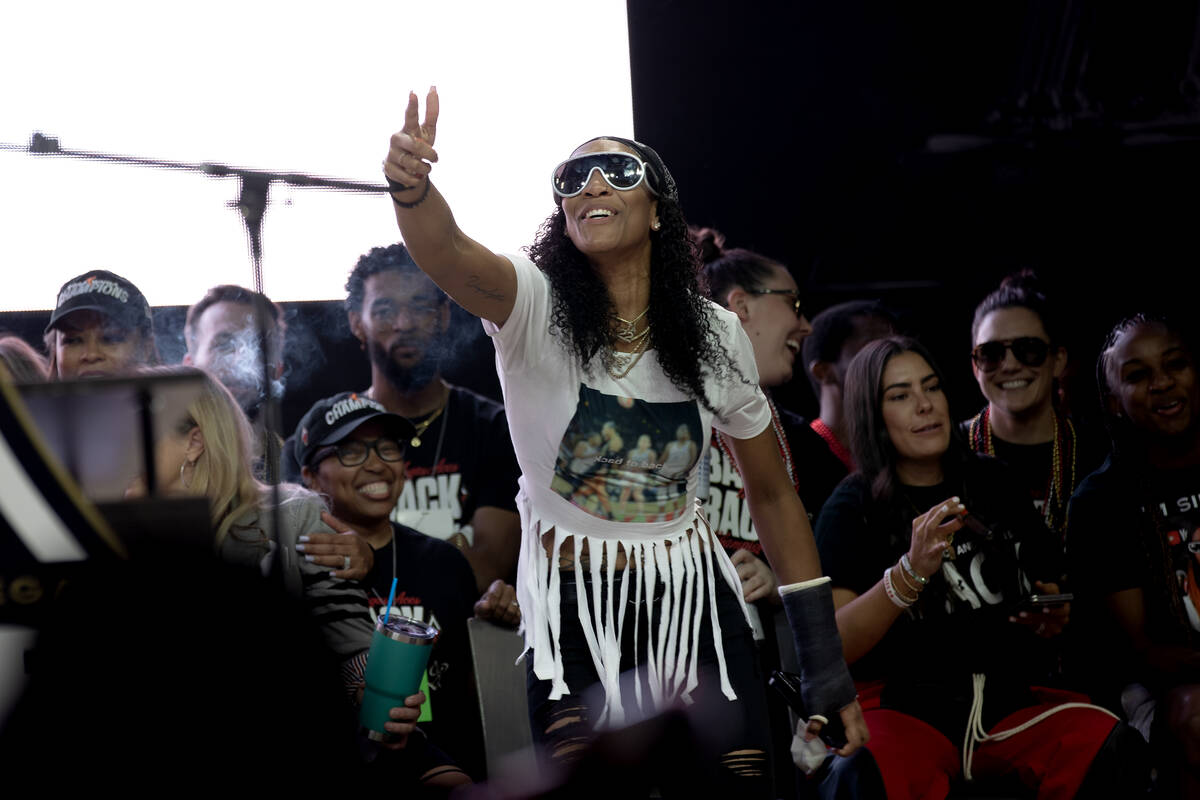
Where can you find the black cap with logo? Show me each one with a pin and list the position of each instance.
(107, 293)
(331, 420)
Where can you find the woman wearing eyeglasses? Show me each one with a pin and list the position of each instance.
(604, 323)
(351, 452)
(1017, 358)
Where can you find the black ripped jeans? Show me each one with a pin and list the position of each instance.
(724, 745)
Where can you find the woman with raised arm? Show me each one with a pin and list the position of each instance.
(604, 330)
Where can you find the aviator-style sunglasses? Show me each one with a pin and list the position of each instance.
(353, 452)
(1029, 350)
(622, 171)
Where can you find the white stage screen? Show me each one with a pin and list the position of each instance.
(283, 87)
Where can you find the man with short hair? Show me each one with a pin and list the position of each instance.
(222, 337)
(820, 447)
(462, 473)
(222, 334)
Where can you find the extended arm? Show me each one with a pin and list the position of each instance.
(779, 516)
(479, 280)
(787, 539)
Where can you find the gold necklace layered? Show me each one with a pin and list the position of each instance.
(620, 363)
(626, 331)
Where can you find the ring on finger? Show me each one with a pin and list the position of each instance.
(345, 562)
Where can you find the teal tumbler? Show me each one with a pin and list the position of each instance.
(395, 664)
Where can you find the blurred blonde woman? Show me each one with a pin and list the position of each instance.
(207, 453)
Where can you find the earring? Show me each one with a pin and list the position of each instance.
(655, 225)
(182, 477)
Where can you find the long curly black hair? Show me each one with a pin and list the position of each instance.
(682, 326)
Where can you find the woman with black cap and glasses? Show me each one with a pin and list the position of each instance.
(604, 324)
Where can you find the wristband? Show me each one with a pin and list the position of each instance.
(892, 594)
(416, 202)
(825, 683)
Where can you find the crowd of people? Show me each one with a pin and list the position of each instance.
(1005, 596)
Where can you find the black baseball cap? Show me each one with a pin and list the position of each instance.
(107, 293)
(331, 420)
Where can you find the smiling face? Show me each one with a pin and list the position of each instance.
(88, 345)
(362, 495)
(403, 319)
(1152, 378)
(774, 329)
(1013, 388)
(915, 411)
(602, 221)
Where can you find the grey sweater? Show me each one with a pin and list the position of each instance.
(338, 606)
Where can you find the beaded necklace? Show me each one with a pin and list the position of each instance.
(784, 451)
(1058, 488)
(835, 445)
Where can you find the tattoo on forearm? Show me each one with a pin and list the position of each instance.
(490, 294)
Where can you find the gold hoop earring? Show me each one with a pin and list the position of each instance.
(182, 477)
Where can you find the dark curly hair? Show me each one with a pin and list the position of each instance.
(393, 258)
(682, 326)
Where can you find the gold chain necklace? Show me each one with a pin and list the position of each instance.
(627, 330)
(622, 363)
(420, 428)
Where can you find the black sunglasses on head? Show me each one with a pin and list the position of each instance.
(1029, 350)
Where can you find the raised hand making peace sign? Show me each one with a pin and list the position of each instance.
(408, 160)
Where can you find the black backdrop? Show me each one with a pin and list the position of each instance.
(917, 152)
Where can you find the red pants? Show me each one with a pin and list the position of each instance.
(918, 762)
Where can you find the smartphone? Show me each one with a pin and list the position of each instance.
(788, 685)
(1044, 601)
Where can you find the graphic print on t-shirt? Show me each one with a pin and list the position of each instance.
(1181, 527)
(628, 460)
(432, 500)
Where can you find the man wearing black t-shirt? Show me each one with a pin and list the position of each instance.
(462, 473)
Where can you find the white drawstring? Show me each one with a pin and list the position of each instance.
(976, 735)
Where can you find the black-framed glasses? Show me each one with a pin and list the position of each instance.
(797, 303)
(1029, 350)
(623, 171)
(353, 452)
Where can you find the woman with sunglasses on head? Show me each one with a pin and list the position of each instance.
(1018, 357)
(939, 644)
(605, 324)
(1130, 538)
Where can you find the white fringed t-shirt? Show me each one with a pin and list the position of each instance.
(614, 463)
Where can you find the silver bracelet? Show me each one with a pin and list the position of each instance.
(908, 567)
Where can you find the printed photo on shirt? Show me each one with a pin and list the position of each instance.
(628, 460)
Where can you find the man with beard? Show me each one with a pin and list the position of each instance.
(222, 337)
(461, 472)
